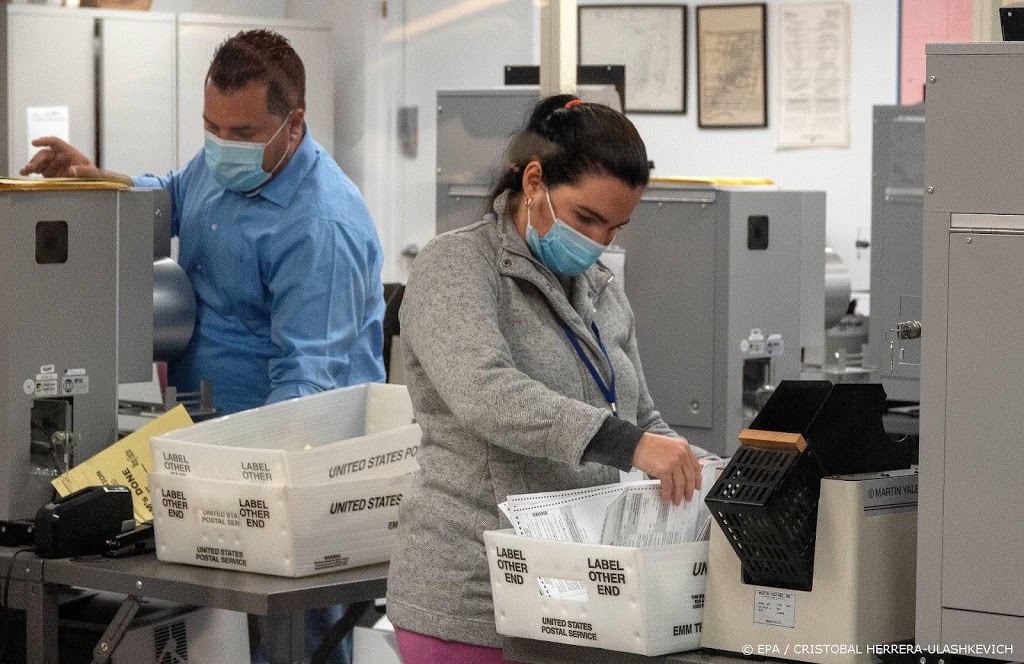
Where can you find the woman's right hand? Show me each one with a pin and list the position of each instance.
(670, 460)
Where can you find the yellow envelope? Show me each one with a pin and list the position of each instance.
(61, 184)
(714, 181)
(126, 463)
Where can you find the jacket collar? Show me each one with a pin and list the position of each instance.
(517, 261)
(591, 283)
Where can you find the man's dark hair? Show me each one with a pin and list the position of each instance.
(266, 57)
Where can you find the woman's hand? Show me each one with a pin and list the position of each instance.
(670, 460)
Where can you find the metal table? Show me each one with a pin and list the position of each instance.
(36, 585)
(532, 651)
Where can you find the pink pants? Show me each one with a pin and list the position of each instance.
(418, 648)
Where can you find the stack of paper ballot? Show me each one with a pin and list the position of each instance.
(623, 514)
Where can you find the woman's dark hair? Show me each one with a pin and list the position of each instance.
(583, 139)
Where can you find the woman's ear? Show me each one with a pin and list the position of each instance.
(533, 180)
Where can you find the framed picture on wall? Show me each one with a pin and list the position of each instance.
(732, 60)
(650, 40)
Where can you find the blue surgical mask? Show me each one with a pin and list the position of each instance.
(238, 165)
(563, 249)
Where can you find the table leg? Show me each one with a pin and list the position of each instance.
(41, 623)
(286, 637)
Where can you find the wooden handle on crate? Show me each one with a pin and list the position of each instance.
(772, 440)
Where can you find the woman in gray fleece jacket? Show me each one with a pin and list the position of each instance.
(522, 363)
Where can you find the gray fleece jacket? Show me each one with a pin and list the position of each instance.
(505, 405)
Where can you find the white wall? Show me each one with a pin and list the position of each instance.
(267, 8)
(464, 43)
(678, 147)
(448, 50)
(367, 90)
(403, 59)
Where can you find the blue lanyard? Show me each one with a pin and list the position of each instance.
(607, 390)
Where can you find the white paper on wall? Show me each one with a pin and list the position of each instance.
(814, 75)
(47, 121)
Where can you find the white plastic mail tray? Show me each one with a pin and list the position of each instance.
(645, 600)
(286, 531)
(331, 436)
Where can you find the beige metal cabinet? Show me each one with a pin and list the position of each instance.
(50, 64)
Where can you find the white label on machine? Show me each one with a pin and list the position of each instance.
(888, 495)
(74, 384)
(773, 607)
(753, 344)
(46, 386)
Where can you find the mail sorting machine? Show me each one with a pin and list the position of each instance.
(78, 274)
(727, 285)
(969, 583)
(814, 541)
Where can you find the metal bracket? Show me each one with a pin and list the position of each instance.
(332, 638)
(116, 630)
(910, 329)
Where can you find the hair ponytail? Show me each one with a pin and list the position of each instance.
(570, 139)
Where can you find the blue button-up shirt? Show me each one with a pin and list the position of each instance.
(287, 282)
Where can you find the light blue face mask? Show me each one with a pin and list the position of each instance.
(238, 165)
(563, 249)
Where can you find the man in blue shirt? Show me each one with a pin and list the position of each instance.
(276, 239)
(278, 243)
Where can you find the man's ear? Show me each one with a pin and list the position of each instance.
(295, 123)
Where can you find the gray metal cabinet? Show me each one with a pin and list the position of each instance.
(897, 212)
(706, 270)
(670, 281)
(473, 130)
(983, 407)
(971, 531)
(76, 272)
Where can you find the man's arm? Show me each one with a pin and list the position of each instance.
(326, 309)
(61, 159)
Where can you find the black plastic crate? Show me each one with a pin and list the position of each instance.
(768, 510)
(766, 499)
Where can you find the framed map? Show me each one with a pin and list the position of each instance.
(731, 66)
(650, 40)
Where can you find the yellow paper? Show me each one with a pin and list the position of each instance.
(60, 184)
(125, 463)
(714, 181)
